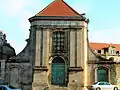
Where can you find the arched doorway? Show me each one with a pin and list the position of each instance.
(102, 74)
(58, 71)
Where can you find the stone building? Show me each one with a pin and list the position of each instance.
(58, 35)
(58, 55)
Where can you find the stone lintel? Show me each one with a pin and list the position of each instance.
(50, 27)
(75, 69)
(100, 62)
(40, 68)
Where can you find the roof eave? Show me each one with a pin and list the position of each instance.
(79, 18)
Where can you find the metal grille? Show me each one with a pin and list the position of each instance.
(58, 40)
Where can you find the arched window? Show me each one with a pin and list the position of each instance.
(102, 74)
(58, 71)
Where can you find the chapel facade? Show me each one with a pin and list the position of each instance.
(59, 34)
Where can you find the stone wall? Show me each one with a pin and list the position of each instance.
(40, 80)
(117, 74)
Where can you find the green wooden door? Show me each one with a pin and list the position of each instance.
(102, 74)
(58, 73)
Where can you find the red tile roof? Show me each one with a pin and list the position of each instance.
(58, 8)
(99, 46)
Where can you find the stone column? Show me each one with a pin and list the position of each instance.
(72, 48)
(38, 48)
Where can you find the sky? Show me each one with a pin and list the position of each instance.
(104, 16)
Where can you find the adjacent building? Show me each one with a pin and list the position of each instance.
(106, 67)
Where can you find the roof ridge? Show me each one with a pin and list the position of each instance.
(104, 43)
(99, 42)
(58, 0)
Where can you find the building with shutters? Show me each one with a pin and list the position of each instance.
(58, 54)
(106, 68)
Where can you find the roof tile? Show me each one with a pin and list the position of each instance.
(99, 46)
(58, 8)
